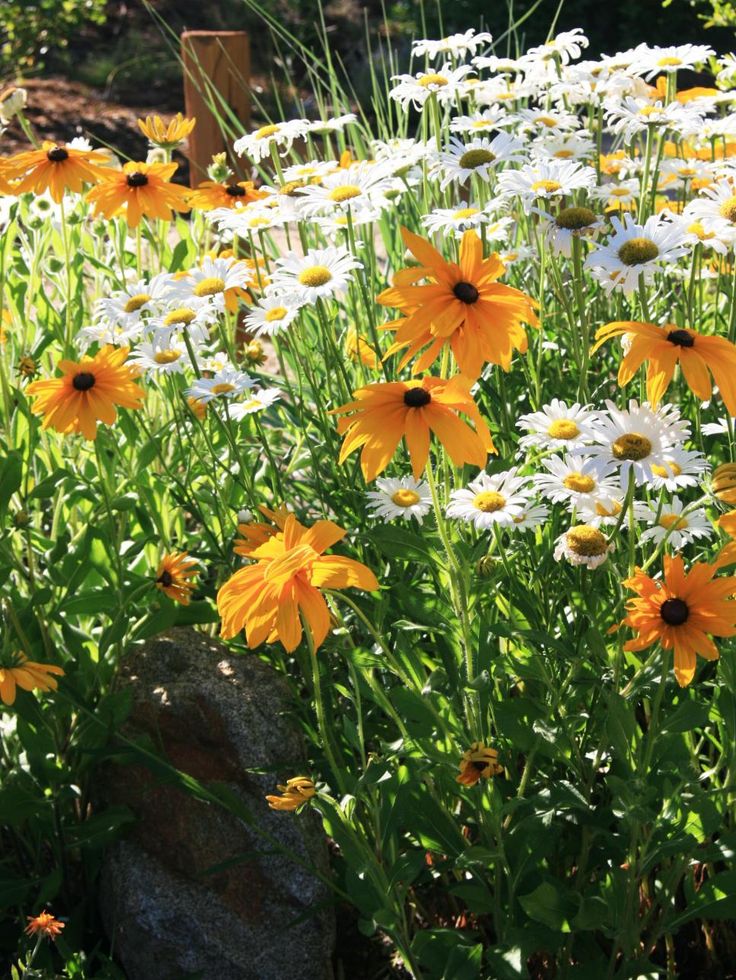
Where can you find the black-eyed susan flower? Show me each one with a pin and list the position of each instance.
(56, 168)
(462, 306)
(269, 597)
(89, 390)
(385, 412)
(27, 675)
(175, 574)
(210, 195)
(139, 189)
(478, 762)
(681, 612)
(662, 348)
(166, 135)
(43, 924)
(295, 794)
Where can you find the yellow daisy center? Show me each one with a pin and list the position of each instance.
(472, 159)
(136, 302)
(637, 251)
(631, 445)
(482, 124)
(210, 286)
(728, 209)
(405, 498)
(277, 313)
(315, 275)
(427, 80)
(258, 221)
(586, 541)
(489, 501)
(620, 192)
(675, 522)
(344, 193)
(563, 429)
(253, 403)
(548, 186)
(222, 388)
(697, 229)
(167, 356)
(579, 482)
(650, 110)
(669, 62)
(464, 213)
(564, 154)
(265, 131)
(672, 469)
(548, 121)
(181, 315)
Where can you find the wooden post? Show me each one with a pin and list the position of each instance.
(216, 69)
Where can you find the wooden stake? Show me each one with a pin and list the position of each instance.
(216, 74)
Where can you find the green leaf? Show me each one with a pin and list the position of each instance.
(716, 899)
(11, 474)
(547, 904)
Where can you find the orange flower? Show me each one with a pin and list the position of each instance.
(359, 349)
(166, 135)
(45, 924)
(664, 347)
(682, 612)
(266, 598)
(297, 791)
(386, 411)
(727, 524)
(256, 533)
(210, 195)
(55, 168)
(141, 189)
(28, 675)
(724, 483)
(89, 390)
(462, 306)
(174, 574)
(479, 762)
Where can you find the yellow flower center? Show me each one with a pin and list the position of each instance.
(579, 482)
(427, 80)
(344, 193)
(669, 62)
(548, 121)
(564, 154)
(472, 159)
(182, 315)
(637, 251)
(482, 124)
(210, 286)
(265, 131)
(136, 302)
(464, 213)
(258, 221)
(620, 192)
(573, 219)
(315, 275)
(696, 228)
(675, 522)
(650, 110)
(405, 498)
(672, 469)
(277, 313)
(489, 501)
(167, 356)
(632, 446)
(548, 186)
(252, 403)
(586, 541)
(563, 429)
(728, 210)
(222, 388)
(612, 511)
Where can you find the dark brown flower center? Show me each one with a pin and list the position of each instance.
(83, 381)
(466, 292)
(416, 397)
(165, 578)
(137, 179)
(235, 191)
(479, 765)
(58, 154)
(681, 338)
(674, 612)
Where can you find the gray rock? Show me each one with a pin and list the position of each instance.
(193, 891)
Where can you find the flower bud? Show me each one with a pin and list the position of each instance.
(724, 483)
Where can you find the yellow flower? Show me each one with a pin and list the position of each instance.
(166, 135)
(45, 924)
(139, 189)
(724, 483)
(479, 762)
(28, 675)
(297, 791)
(174, 574)
(267, 598)
(360, 350)
(55, 168)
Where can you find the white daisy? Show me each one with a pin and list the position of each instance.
(322, 272)
(636, 439)
(602, 512)
(618, 195)
(257, 401)
(480, 123)
(129, 307)
(651, 61)
(532, 516)
(715, 210)
(456, 45)
(635, 251)
(195, 317)
(576, 481)
(459, 161)
(539, 121)
(274, 312)
(558, 427)
(629, 116)
(404, 497)
(416, 89)
(250, 219)
(363, 185)
(226, 383)
(566, 46)
(680, 468)
(491, 499)
(546, 178)
(320, 127)
(211, 280)
(466, 215)
(568, 223)
(165, 353)
(583, 545)
(257, 145)
(668, 521)
(565, 146)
